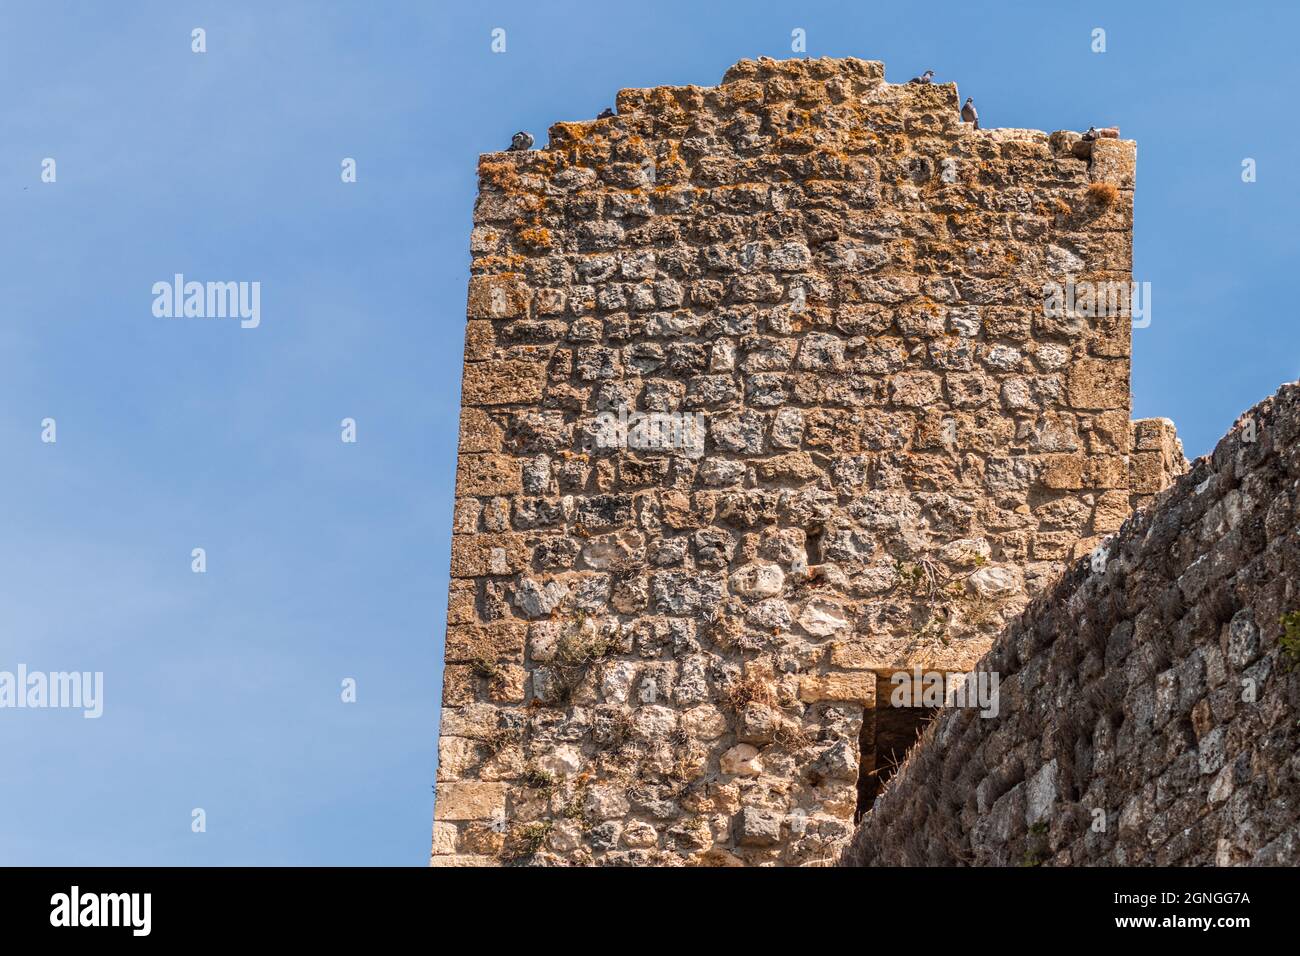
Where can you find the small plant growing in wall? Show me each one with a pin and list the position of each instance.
(680, 776)
(523, 842)
(793, 737)
(920, 578)
(1290, 641)
(750, 689)
(618, 730)
(981, 610)
(575, 808)
(723, 627)
(942, 602)
(693, 832)
(581, 646)
(625, 569)
(501, 738)
(535, 778)
(698, 825)
(1036, 851)
(484, 666)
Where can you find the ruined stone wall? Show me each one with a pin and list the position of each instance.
(1156, 458)
(1149, 705)
(666, 655)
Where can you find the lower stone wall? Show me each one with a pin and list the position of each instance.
(1148, 700)
(1155, 459)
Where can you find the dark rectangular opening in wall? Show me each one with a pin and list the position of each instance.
(887, 734)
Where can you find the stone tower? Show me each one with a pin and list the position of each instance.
(765, 398)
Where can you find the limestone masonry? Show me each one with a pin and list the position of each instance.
(880, 445)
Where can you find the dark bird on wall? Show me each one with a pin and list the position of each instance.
(924, 79)
(968, 114)
(520, 142)
(1090, 135)
(606, 113)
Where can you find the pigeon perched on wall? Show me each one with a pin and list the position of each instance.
(924, 79)
(520, 141)
(606, 113)
(968, 114)
(1089, 136)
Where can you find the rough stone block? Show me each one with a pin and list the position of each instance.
(856, 655)
(504, 382)
(478, 432)
(1105, 471)
(857, 687)
(1098, 384)
(1148, 473)
(488, 555)
(497, 297)
(469, 800)
(444, 838)
(756, 827)
(482, 475)
(1111, 510)
(1062, 472)
(479, 340)
(1114, 161)
(498, 640)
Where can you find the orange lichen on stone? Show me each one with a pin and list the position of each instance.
(496, 264)
(536, 238)
(503, 175)
(1103, 194)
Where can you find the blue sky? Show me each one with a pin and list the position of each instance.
(329, 560)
